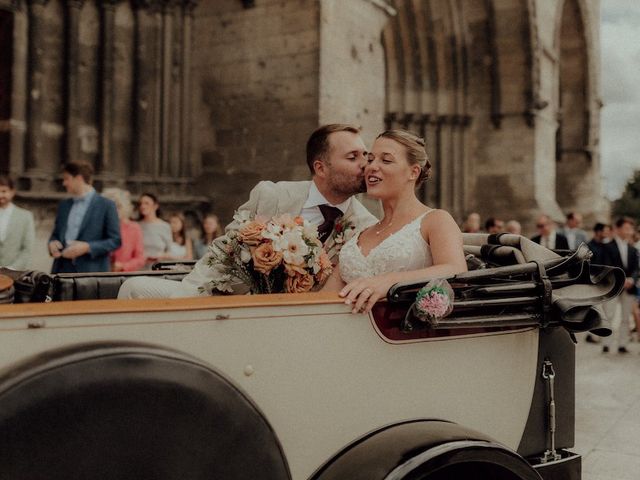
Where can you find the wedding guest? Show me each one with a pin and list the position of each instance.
(494, 225)
(210, 231)
(17, 230)
(156, 233)
(181, 246)
(87, 228)
(601, 234)
(620, 253)
(572, 231)
(514, 227)
(548, 236)
(130, 256)
(472, 223)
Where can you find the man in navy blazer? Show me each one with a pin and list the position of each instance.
(620, 252)
(87, 228)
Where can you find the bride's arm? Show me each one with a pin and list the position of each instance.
(443, 235)
(334, 283)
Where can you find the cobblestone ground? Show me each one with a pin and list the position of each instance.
(608, 412)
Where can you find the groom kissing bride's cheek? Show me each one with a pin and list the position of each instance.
(336, 157)
(411, 242)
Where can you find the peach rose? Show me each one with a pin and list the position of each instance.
(265, 258)
(299, 283)
(251, 233)
(293, 269)
(326, 267)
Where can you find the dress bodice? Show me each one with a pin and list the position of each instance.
(402, 251)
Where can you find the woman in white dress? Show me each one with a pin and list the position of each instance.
(411, 242)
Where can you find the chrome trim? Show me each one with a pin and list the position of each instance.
(401, 471)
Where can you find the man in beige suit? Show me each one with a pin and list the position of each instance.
(17, 231)
(336, 156)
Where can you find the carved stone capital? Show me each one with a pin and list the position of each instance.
(76, 4)
(37, 2)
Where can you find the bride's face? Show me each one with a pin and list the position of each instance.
(388, 173)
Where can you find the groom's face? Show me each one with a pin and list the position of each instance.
(345, 163)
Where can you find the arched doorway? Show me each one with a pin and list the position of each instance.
(6, 61)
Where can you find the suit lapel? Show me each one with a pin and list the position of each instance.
(65, 208)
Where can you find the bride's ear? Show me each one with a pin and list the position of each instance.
(415, 172)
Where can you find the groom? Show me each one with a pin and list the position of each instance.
(336, 156)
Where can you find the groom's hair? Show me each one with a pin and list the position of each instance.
(318, 143)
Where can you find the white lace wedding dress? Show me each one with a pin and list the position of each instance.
(401, 251)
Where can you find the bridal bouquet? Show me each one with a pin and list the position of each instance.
(278, 255)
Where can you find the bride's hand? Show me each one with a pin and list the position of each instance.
(365, 292)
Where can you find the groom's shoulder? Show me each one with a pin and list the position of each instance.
(269, 187)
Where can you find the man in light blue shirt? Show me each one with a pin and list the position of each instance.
(87, 228)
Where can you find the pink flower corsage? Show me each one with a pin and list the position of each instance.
(434, 301)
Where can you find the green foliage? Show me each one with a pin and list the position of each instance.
(629, 203)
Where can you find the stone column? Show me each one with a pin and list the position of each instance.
(187, 166)
(72, 147)
(14, 129)
(45, 110)
(107, 83)
(166, 134)
(123, 47)
(147, 71)
(348, 53)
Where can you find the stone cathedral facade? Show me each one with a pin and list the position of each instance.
(197, 100)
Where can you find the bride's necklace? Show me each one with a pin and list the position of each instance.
(378, 232)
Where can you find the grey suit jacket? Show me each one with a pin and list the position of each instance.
(269, 199)
(16, 250)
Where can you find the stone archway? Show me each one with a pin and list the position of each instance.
(463, 75)
(577, 164)
(6, 61)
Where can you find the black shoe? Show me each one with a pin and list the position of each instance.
(605, 349)
(623, 350)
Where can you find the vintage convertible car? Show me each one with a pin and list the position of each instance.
(295, 386)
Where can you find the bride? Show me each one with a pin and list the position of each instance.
(411, 242)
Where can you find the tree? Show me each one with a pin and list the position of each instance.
(629, 203)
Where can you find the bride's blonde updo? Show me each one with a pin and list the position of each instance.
(416, 151)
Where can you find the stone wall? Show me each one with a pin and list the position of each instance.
(197, 101)
(255, 94)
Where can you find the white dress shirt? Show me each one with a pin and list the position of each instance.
(623, 248)
(550, 241)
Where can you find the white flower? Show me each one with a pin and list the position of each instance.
(245, 254)
(292, 246)
(272, 232)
